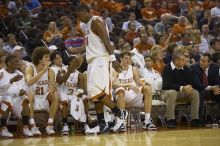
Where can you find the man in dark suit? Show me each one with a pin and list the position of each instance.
(177, 83)
(206, 80)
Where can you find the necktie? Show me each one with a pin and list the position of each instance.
(205, 79)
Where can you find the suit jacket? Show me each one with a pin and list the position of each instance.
(213, 76)
(174, 79)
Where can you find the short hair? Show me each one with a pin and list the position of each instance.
(38, 54)
(148, 56)
(53, 55)
(178, 52)
(207, 55)
(213, 41)
(9, 58)
(82, 8)
(10, 35)
(125, 53)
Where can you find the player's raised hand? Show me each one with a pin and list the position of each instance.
(117, 66)
(16, 78)
(47, 65)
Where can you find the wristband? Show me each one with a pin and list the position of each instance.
(112, 58)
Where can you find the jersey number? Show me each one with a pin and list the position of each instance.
(70, 91)
(39, 90)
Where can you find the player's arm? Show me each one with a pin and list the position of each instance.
(29, 75)
(99, 29)
(137, 77)
(80, 81)
(52, 81)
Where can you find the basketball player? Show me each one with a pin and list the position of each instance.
(130, 90)
(12, 95)
(99, 55)
(41, 79)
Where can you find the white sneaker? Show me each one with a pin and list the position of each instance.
(6, 133)
(35, 131)
(149, 125)
(119, 125)
(65, 130)
(27, 132)
(89, 131)
(50, 130)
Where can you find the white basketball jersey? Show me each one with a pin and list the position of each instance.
(40, 88)
(15, 88)
(94, 45)
(126, 77)
(70, 86)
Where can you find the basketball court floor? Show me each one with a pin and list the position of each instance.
(188, 137)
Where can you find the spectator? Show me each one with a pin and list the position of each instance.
(135, 7)
(140, 31)
(169, 52)
(148, 13)
(53, 36)
(205, 34)
(197, 39)
(180, 27)
(152, 76)
(144, 46)
(150, 33)
(160, 26)
(163, 9)
(157, 57)
(177, 82)
(131, 34)
(107, 19)
(215, 46)
(25, 22)
(74, 43)
(33, 6)
(67, 26)
(131, 18)
(206, 81)
(206, 19)
(215, 12)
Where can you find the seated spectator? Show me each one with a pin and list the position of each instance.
(33, 6)
(177, 81)
(163, 9)
(205, 34)
(131, 92)
(215, 46)
(67, 26)
(206, 19)
(131, 18)
(197, 39)
(140, 31)
(180, 27)
(186, 39)
(148, 13)
(131, 34)
(24, 21)
(11, 43)
(152, 76)
(206, 81)
(195, 55)
(215, 12)
(135, 7)
(144, 46)
(74, 43)
(107, 19)
(157, 57)
(53, 36)
(160, 26)
(150, 32)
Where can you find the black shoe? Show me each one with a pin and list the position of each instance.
(171, 123)
(195, 123)
(103, 127)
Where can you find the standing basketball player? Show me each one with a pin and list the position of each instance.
(130, 90)
(99, 55)
(41, 79)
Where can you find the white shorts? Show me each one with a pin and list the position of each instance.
(98, 73)
(6, 102)
(132, 99)
(17, 105)
(41, 102)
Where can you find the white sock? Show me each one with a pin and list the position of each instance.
(31, 122)
(50, 120)
(147, 116)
